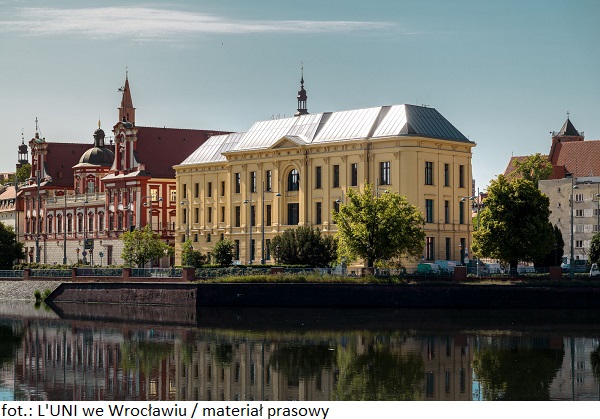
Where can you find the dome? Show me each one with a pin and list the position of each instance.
(99, 134)
(98, 156)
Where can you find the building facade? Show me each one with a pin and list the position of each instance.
(81, 198)
(284, 173)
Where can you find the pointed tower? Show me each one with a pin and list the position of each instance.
(126, 111)
(302, 109)
(566, 134)
(23, 153)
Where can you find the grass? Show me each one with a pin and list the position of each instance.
(395, 280)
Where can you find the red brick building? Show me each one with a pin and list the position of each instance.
(82, 197)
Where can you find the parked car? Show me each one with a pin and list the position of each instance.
(428, 269)
(594, 270)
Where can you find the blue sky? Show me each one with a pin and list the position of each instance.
(503, 72)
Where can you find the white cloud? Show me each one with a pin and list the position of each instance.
(148, 23)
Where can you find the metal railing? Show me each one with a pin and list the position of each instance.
(11, 274)
(96, 272)
(156, 273)
(51, 273)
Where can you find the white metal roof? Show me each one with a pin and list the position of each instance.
(382, 121)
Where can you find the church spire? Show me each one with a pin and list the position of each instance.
(302, 97)
(126, 111)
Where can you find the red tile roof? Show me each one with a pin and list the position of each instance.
(581, 158)
(60, 160)
(159, 149)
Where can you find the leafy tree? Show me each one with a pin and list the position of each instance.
(22, 173)
(10, 249)
(141, 246)
(379, 228)
(594, 255)
(554, 258)
(533, 168)
(191, 257)
(222, 253)
(304, 246)
(514, 225)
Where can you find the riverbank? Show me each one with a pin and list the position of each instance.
(325, 295)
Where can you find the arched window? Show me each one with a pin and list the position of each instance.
(101, 221)
(293, 180)
(90, 226)
(50, 220)
(91, 186)
(59, 223)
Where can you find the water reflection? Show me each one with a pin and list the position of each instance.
(300, 355)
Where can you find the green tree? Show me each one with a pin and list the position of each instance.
(378, 229)
(514, 225)
(10, 249)
(554, 257)
(222, 253)
(594, 255)
(534, 168)
(191, 257)
(22, 173)
(142, 246)
(304, 246)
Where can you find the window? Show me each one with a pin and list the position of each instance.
(185, 216)
(354, 174)
(429, 385)
(293, 181)
(252, 182)
(447, 212)
(238, 182)
(238, 213)
(59, 223)
(253, 215)
(209, 215)
(236, 250)
(173, 195)
(293, 214)
(578, 213)
(208, 238)
(268, 180)
(69, 223)
(91, 187)
(461, 212)
(268, 249)
(318, 219)
(196, 215)
(336, 206)
(222, 188)
(429, 210)
(446, 174)
(578, 243)
(268, 216)
(196, 190)
(50, 224)
(318, 178)
(461, 176)
(195, 238)
(222, 214)
(80, 224)
(448, 253)
(209, 190)
(336, 175)
(384, 173)
(100, 221)
(153, 195)
(579, 197)
(90, 225)
(252, 249)
(184, 191)
(430, 248)
(428, 173)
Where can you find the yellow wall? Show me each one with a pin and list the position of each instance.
(407, 157)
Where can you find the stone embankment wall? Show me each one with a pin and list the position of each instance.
(23, 290)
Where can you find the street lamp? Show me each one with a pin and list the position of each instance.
(571, 267)
(249, 201)
(262, 240)
(187, 217)
(477, 199)
(149, 204)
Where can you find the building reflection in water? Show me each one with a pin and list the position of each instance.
(57, 360)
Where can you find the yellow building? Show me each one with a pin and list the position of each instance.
(283, 173)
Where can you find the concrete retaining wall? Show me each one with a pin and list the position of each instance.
(331, 295)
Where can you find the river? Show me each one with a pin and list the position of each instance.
(102, 352)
